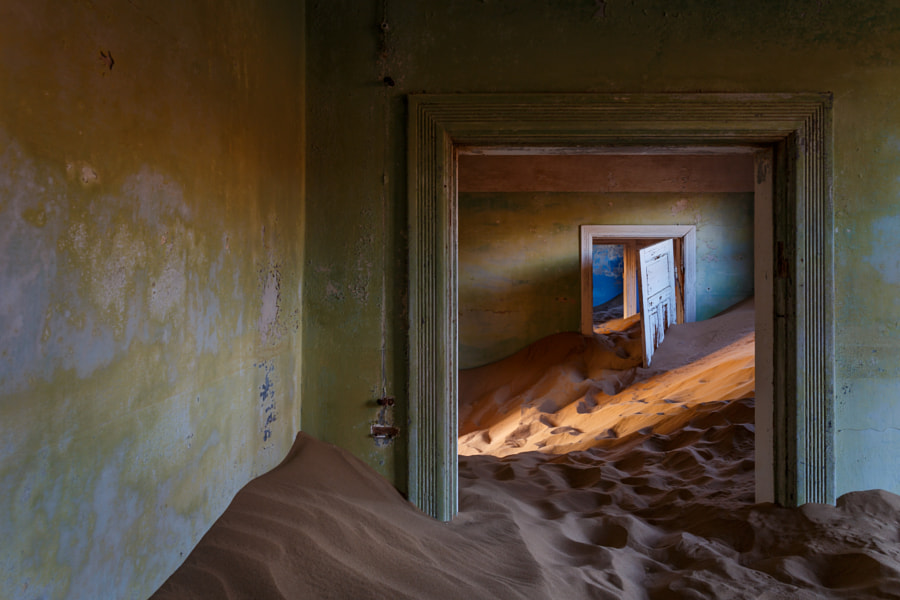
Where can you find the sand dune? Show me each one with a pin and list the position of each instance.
(585, 477)
(571, 392)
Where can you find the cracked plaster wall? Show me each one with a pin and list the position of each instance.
(151, 233)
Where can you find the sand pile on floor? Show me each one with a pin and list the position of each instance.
(658, 507)
(671, 516)
(609, 310)
(571, 392)
(324, 525)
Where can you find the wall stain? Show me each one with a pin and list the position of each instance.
(106, 58)
(883, 258)
(270, 328)
(35, 216)
(268, 412)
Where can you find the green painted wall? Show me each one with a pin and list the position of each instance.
(151, 251)
(355, 288)
(520, 264)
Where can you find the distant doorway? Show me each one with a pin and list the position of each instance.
(631, 238)
(607, 283)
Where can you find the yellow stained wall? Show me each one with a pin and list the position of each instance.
(355, 288)
(151, 260)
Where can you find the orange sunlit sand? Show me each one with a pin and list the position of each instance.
(571, 392)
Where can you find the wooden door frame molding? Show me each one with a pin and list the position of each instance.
(799, 129)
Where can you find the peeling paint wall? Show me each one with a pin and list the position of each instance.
(357, 157)
(151, 252)
(520, 263)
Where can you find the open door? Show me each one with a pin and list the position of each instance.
(658, 295)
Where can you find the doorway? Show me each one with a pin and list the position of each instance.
(609, 280)
(631, 238)
(794, 133)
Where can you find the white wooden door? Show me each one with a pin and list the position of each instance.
(658, 297)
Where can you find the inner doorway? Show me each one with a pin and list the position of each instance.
(625, 241)
(517, 249)
(796, 127)
(608, 283)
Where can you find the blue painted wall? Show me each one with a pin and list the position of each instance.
(608, 262)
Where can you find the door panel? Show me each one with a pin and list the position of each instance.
(658, 295)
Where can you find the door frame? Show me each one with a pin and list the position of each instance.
(798, 129)
(685, 254)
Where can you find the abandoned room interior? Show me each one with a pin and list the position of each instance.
(237, 235)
